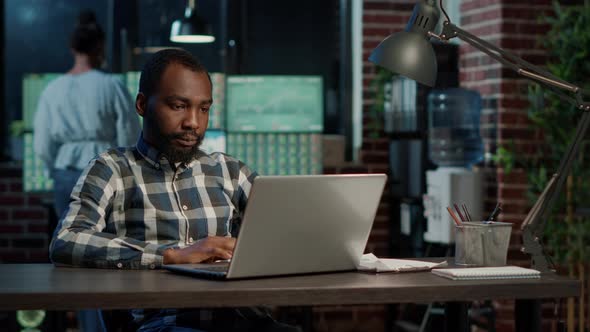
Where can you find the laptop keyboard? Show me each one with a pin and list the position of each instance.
(214, 268)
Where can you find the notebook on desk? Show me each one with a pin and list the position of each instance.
(300, 224)
(484, 273)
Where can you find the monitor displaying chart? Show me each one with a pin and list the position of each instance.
(275, 104)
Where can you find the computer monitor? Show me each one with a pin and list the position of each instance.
(277, 103)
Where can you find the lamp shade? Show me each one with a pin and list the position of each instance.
(409, 54)
(191, 29)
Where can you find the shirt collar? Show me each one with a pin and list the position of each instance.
(151, 154)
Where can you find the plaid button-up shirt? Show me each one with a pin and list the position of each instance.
(131, 204)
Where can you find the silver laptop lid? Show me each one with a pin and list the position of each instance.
(305, 224)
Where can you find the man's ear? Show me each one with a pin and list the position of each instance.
(141, 104)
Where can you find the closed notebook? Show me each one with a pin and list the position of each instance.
(484, 273)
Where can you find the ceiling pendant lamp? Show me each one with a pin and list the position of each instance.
(191, 28)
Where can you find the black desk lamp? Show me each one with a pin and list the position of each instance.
(410, 53)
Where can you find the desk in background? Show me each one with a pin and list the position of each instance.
(43, 286)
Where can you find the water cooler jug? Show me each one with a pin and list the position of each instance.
(455, 145)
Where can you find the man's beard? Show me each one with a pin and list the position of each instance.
(180, 155)
(174, 154)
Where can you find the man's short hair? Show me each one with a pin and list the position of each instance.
(151, 74)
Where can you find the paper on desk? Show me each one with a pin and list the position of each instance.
(370, 262)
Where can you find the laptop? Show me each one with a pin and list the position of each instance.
(298, 225)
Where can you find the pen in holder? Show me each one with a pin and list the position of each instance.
(482, 244)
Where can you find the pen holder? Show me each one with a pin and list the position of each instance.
(481, 244)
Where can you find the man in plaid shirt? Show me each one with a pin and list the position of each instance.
(163, 201)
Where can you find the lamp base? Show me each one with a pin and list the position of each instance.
(532, 245)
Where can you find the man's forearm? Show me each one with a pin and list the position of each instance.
(104, 250)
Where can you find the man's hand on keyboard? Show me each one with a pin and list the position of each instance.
(204, 250)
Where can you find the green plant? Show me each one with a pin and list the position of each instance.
(382, 76)
(568, 43)
(505, 157)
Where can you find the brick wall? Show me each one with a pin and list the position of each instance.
(512, 25)
(380, 19)
(23, 220)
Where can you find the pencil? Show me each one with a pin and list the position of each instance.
(466, 213)
(459, 213)
(457, 221)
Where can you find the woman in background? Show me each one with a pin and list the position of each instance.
(79, 115)
(82, 113)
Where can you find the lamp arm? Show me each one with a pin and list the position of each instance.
(535, 221)
(517, 64)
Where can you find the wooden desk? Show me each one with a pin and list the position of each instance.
(43, 286)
